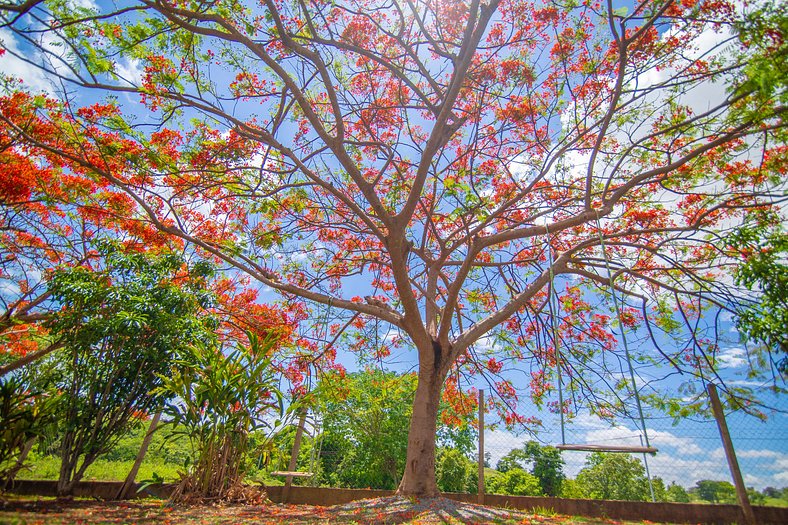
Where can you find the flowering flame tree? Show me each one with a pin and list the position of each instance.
(462, 162)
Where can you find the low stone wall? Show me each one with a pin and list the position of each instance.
(624, 510)
(634, 510)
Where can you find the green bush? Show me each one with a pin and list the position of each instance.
(454, 472)
(613, 476)
(514, 482)
(220, 400)
(24, 416)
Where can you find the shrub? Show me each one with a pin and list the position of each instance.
(217, 400)
(514, 482)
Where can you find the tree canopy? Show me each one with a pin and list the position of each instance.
(463, 172)
(545, 463)
(614, 476)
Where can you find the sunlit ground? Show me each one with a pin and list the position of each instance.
(390, 510)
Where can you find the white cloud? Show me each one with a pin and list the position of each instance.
(485, 344)
(781, 477)
(772, 454)
(751, 480)
(12, 65)
(733, 357)
(499, 443)
(745, 383)
(619, 435)
(686, 471)
(130, 71)
(86, 4)
(8, 288)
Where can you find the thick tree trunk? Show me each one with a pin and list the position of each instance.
(419, 476)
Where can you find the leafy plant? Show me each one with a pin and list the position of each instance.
(764, 242)
(364, 414)
(515, 482)
(545, 463)
(547, 512)
(120, 325)
(217, 400)
(613, 476)
(24, 416)
(155, 479)
(455, 472)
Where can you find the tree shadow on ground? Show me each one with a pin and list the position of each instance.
(390, 510)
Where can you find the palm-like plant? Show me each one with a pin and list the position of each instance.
(217, 400)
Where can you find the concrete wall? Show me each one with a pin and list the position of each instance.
(625, 510)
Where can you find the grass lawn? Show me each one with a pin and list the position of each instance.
(389, 510)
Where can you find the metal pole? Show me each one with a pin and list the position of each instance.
(730, 453)
(481, 447)
(648, 474)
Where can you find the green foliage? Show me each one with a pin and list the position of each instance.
(763, 31)
(48, 467)
(755, 497)
(764, 270)
(677, 494)
(120, 326)
(167, 455)
(570, 489)
(515, 458)
(365, 417)
(545, 462)
(660, 491)
(454, 472)
(614, 477)
(217, 401)
(514, 482)
(168, 446)
(715, 491)
(24, 416)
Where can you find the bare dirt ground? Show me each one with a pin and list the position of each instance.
(390, 511)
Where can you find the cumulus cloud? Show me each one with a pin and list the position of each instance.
(619, 435)
(13, 65)
(733, 357)
(129, 71)
(500, 442)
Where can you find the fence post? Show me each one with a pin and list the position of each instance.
(730, 453)
(481, 447)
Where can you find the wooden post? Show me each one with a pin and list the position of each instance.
(481, 447)
(132, 475)
(733, 464)
(294, 457)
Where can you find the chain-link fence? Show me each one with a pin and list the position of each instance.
(690, 451)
